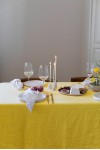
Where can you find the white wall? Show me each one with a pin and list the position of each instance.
(86, 34)
(36, 30)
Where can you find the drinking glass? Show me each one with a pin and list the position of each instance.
(43, 73)
(89, 69)
(28, 69)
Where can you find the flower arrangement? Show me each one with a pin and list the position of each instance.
(96, 77)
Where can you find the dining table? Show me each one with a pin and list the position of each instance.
(66, 122)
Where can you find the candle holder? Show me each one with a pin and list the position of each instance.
(50, 86)
(54, 86)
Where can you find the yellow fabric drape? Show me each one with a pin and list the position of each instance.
(71, 122)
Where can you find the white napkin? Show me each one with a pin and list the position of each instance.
(30, 97)
(86, 82)
(78, 86)
(17, 84)
(75, 89)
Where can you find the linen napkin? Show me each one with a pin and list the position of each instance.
(78, 86)
(86, 82)
(75, 89)
(30, 97)
(17, 84)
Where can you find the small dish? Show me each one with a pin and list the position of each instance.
(41, 97)
(66, 91)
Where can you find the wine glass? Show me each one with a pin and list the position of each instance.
(28, 69)
(43, 73)
(89, 69)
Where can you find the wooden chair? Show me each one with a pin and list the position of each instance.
(77, 79)
(35, 78)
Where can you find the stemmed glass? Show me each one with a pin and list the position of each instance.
(28, 69)
(90, 67)
(43, 73)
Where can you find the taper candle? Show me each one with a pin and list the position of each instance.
(55, 66)
(54, 73)
(50, 71)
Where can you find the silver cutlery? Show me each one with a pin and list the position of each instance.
(52, 98)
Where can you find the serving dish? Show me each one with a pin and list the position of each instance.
(66, 91)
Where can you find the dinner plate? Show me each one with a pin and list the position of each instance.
(33, 83)
(96, 96)
(41, 97)
(65, 93)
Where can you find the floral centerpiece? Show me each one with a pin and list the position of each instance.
(96, 76)
(95, 80)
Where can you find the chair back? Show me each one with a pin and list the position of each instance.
(77, 79)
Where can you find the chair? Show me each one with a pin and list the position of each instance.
(77, 79)
(35, 78)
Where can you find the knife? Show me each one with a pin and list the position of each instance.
(52, 98)
(48, 98)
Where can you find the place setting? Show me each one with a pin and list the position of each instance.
(33, 91)
(74, 90)
(44, 73)
(80, 89)
(91, 83)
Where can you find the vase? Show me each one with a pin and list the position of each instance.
(95, 88)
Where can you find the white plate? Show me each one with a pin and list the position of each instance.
(33, 83)
(96, 96)
(41, 97)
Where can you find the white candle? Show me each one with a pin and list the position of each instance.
(54, 72)
(50, 71)
(55, 66)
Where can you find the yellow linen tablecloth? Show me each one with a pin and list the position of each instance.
(71, 122)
